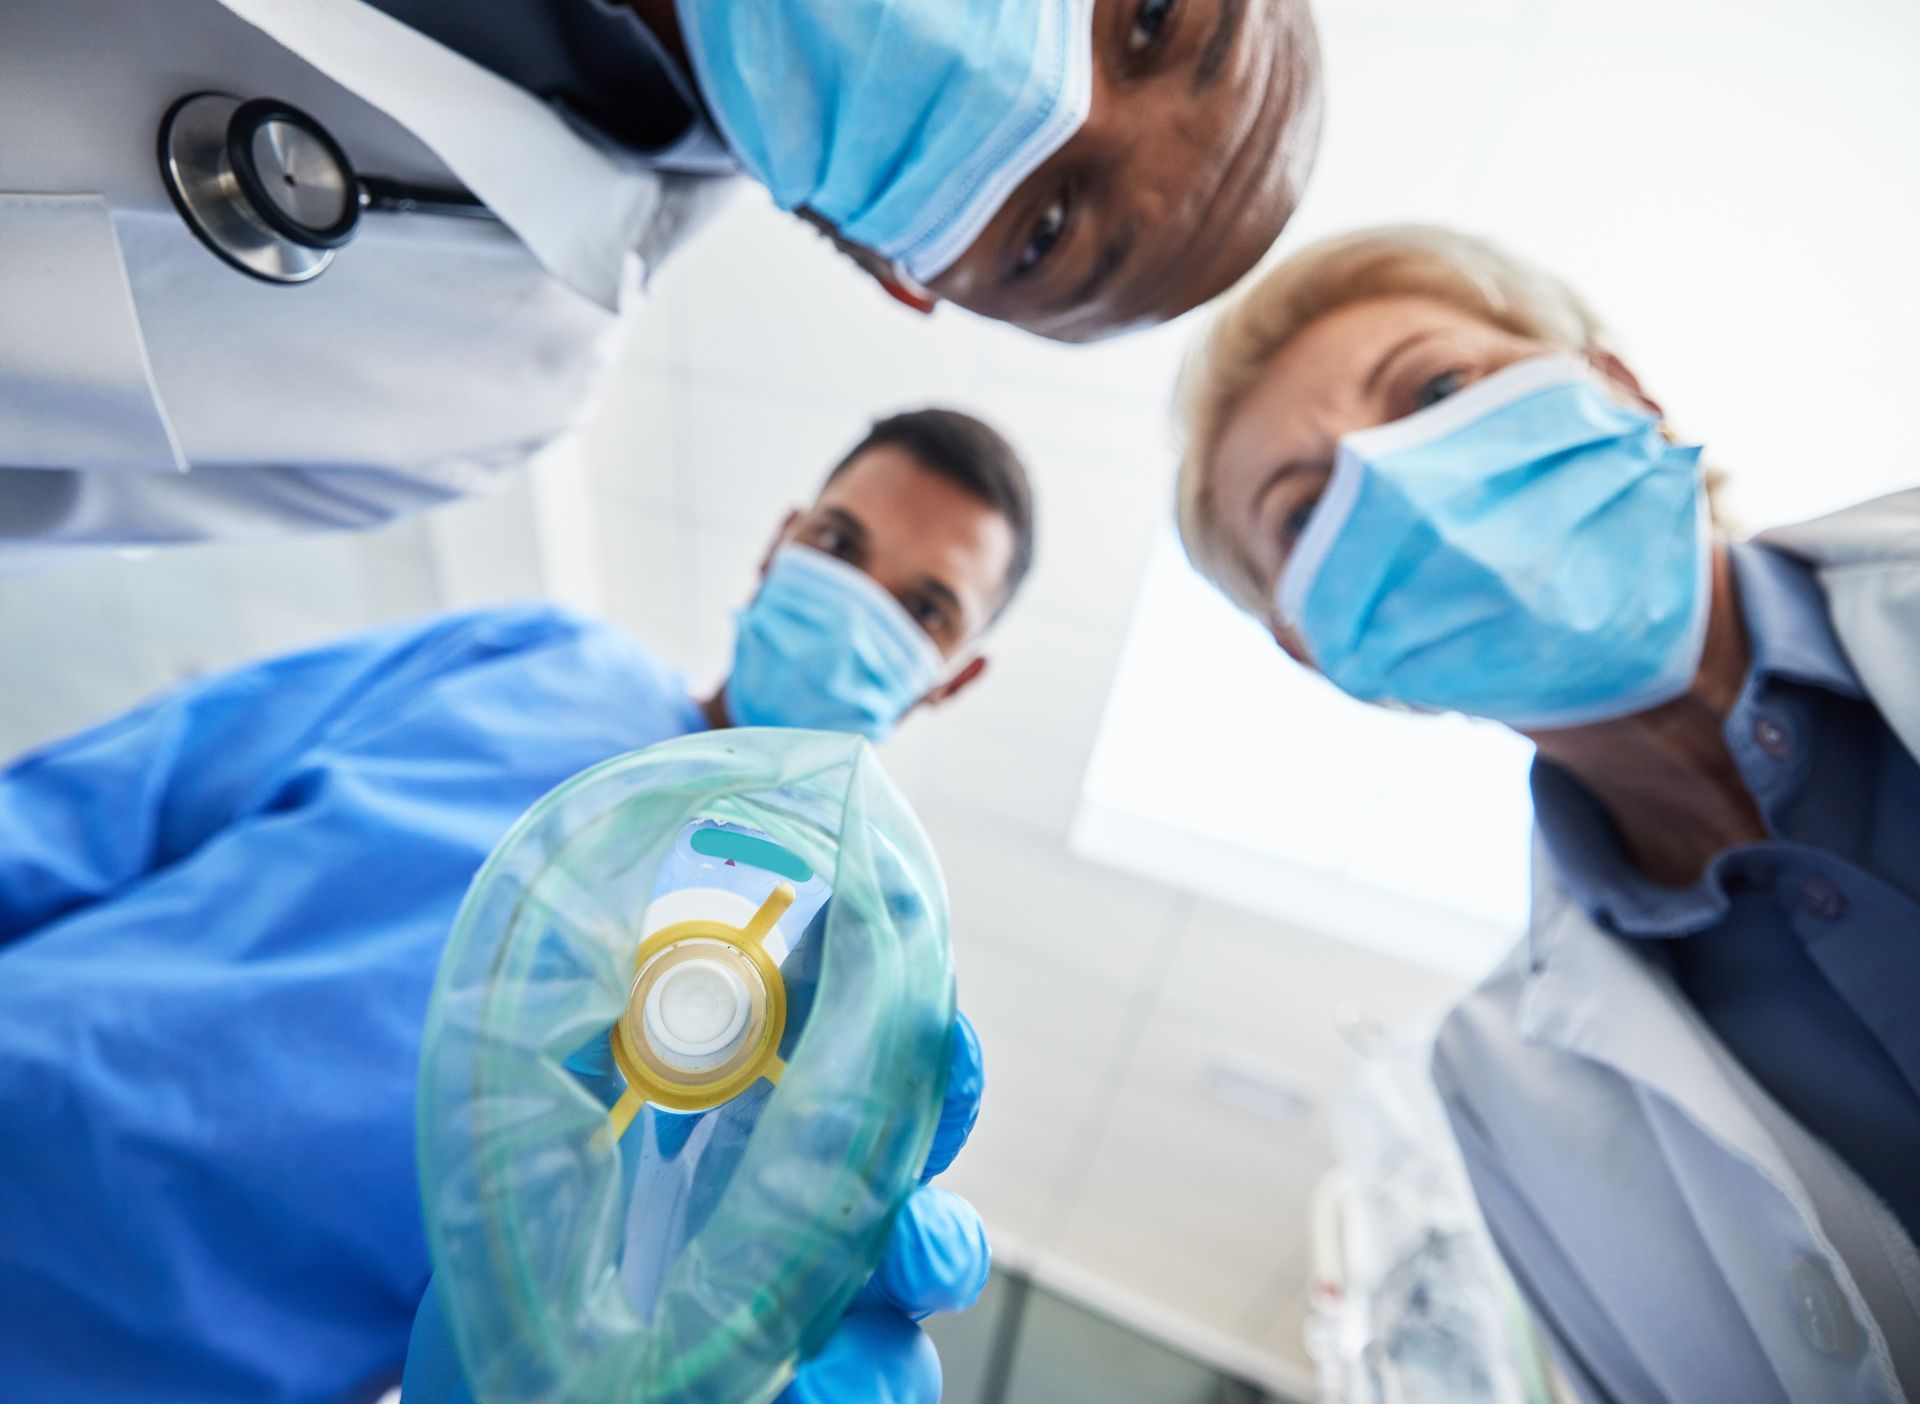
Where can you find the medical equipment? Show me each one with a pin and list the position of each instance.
(1529, 550)
(1411, 1304)
(267, 189)
(684, 1061)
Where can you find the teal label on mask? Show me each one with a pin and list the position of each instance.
(732, 846)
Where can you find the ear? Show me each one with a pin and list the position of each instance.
(780, 538)
(952, 687)
(893, 281)
(1290, 644)
(908, 293)
(1615, 369)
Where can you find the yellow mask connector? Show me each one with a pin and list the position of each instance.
(704, 1018)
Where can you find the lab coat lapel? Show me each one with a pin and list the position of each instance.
(1868, 561)
(579, 211)
(1604, 999)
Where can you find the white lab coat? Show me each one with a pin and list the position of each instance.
(156, 394)
(1683, 1240)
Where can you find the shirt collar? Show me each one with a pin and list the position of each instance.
(1793, 642)
(1788, 624)
(699, 149)
(1596, 872)
(693, 713)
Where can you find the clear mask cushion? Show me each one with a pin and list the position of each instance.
(688, 1245)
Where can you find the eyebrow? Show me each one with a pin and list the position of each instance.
(842, 517)
(1291, 468)
(1380, 367)
(1213, 58)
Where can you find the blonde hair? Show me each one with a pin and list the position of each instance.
(1256, 324)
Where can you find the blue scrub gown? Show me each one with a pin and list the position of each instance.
(220, 918)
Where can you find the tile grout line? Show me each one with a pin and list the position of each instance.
(1139, 1009)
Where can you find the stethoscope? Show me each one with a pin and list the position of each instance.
(267, 189)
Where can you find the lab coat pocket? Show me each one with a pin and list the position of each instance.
(76, 389)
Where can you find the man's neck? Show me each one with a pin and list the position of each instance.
(1665, 776)
(663, 22)
(714, 709)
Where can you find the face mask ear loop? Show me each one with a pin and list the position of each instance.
(903, 288)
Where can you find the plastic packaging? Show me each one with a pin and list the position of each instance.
(682, 1064)
(1419, 1308)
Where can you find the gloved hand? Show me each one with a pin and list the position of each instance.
(936, 1260)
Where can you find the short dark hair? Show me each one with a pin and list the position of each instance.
(972, 454)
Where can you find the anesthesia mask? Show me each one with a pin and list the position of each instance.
(684, 1060)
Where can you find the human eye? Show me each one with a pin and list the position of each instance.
(1043, 236)
(1149, 25)
(1439, 387)
(831, 539)
(1288, 506)
(928, 613)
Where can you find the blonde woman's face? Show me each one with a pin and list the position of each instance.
(1363, 365)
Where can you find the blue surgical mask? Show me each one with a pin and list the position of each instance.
(905, 123)
(823, 646)
(1529, 550)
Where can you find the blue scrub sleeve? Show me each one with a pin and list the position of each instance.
(86, 816)
(937, 1260)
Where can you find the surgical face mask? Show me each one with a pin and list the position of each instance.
(1529, 550)
(822, 646)
(906, 123)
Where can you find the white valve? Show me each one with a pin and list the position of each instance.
(696, 1010)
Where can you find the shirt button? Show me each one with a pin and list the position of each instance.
(1772, 738)
(1825, 1318)
(1821, 898)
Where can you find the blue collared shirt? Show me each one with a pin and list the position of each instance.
(1802, 953)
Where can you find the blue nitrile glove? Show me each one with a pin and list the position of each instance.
(937, 1260)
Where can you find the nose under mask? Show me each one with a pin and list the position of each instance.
(1529, 550)
(823, 646)
(905, 124)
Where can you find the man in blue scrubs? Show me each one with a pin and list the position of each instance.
(221, 914)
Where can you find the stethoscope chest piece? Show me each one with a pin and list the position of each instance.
(260, 183)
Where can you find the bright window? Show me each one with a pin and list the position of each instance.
(1223, 768)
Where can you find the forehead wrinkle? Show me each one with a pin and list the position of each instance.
(1213, 58)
